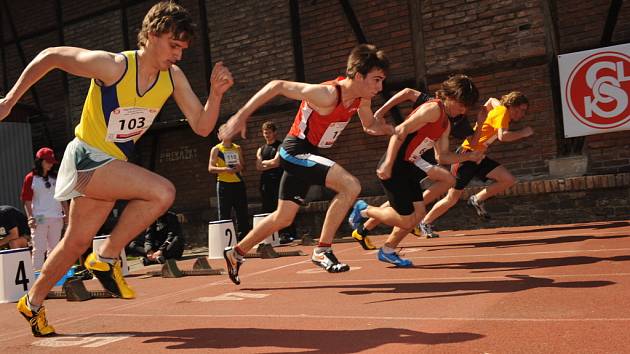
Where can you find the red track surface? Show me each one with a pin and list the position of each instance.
(552, 289)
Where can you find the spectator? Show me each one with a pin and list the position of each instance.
(46, 216)
(14, 232)
(268, 161)
(226, 160)
(162, 240)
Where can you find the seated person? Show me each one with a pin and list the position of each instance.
(162, 240)
(14, 230)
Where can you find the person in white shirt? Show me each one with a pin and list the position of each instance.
(46, 216)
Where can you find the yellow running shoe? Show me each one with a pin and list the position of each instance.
(364, 241)
(37, 320)
(110, 276)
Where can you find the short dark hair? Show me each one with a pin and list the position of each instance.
(364, 58)
(269, 125)
(167, 17)
(459, 88)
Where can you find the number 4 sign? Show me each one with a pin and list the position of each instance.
(16, 274)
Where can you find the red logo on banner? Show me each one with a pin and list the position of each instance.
(597, 90)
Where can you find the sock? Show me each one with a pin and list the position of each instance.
(323, 247)
(239, 252)
(34, 308)
(106, 259)
(363, 213)
(388, 249)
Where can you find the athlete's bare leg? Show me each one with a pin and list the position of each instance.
(279, 219)
(348, 188)
(443, 205)
(503, 180)
(150, 196)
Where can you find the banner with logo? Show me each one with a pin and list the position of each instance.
(595, 88)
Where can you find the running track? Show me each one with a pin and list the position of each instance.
(551, 289)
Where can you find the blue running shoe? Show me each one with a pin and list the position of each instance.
(355, 217)
(394, 259)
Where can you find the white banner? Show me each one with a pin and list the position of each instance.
(595, 88)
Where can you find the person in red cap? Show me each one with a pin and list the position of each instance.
(46, 215)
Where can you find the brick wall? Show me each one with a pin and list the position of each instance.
(501, 44)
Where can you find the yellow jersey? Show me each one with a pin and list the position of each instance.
(498, 118)
(228, 156)
(115, 117)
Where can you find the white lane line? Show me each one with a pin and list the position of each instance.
(436, 279)
(136, 303)
(385, 318)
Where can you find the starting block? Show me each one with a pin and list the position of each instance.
(74, 290)
(16, 274)
(273, 239)
(200, 267)
(221, 234)
(266, 251)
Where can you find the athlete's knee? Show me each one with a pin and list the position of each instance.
(451, 199)
(510, 181)
(74, 246)
(352, 187)
(164, 195)
(449, 180)
(282, 221)
(409, 221)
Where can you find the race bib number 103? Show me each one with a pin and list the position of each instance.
(129, 123)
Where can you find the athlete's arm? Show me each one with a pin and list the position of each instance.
(273, 163)
(212, 163)
(490, 104)
(322, 98)
(505, 135)
(406, 94)
(202, 119)
(259, 160)
(103, 66)
(13, 235)
(446, 157)
(426, 114)
(240, 167)
(370, 124)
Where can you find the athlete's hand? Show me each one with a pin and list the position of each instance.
(220, 79)
(5, 108)
(384, 171)
(475, 156)
(233, 126)
(527, 131)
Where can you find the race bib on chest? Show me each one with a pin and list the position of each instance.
(231, 158)
(421, 149)
(331, 134)
(127, 123)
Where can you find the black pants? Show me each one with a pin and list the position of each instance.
(269, 191)
(234, 196)
(172, 250)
